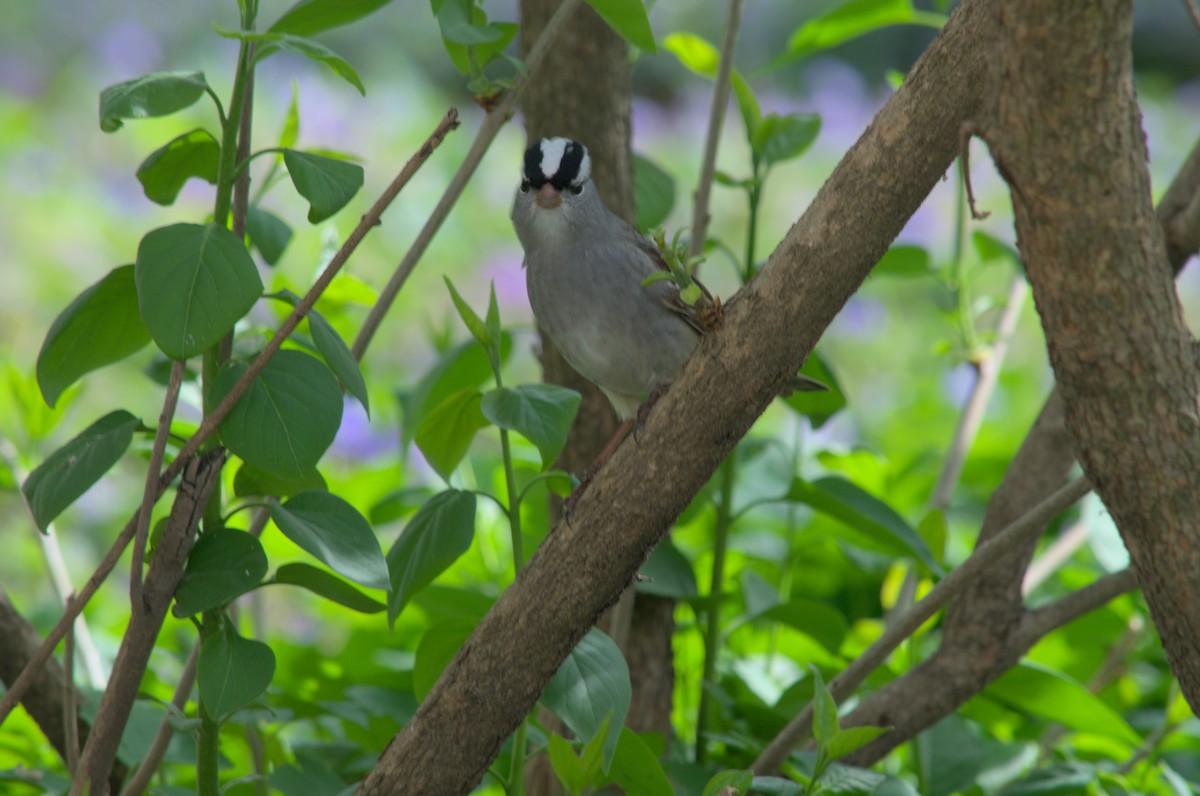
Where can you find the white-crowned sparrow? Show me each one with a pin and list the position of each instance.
(585, 268)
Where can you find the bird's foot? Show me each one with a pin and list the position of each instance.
(643, 412)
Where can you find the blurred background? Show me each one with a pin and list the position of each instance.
(72, 210)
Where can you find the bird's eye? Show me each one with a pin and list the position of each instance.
(575, 189)
(524, 186)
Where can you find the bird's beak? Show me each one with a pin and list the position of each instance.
(548, 197)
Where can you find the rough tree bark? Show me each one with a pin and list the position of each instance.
(1066, 134)
(770, 328)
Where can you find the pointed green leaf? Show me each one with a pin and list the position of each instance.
(1054, 696)
(636, 768)
(336, 534)
(492, 321)
(853, 19)
(654, 193)
(747, 104)
(269, 233)
(825, 718)
(694, 52)
(628, 18)
(313, 51)
(99, 327)
(314, 16)
(992, 249)
(323, 584)
(287, 419)
(438, 646)
(590, 685)
(475, 325)
(433, 540)
(566, 764)
(460, 25)
(740, 781)
(904, 260)
(72, 469)
(446, 433)
(338, 357)
(1064, 779)
(668, 573)
(542, 413)
(780, 138)
(232, 671)
(193, 154)
(224, 564)
(852, 739)
(869, 517)
(290, 134)
(194, 282)
(327, 184)
(463, 367)
(819, 621)
(250, 480)
(157, 94)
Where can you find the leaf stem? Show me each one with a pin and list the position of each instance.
(208, 744)
(712, 630)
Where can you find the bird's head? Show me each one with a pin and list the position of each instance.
(556, 194)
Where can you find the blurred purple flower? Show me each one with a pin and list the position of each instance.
(505, 271)
(127, 48)
(21, 77)
(836, 91)
(861, 317)
(357, 440)
(957, 383)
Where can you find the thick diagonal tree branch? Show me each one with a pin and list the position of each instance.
(1066, 134)
(499, 672)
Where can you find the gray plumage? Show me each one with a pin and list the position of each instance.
(584, 268)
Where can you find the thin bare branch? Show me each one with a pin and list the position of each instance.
(70, 709)
(716, 121)
(150, 491)
(1036, 624)
(1193, 12)
(1028, 527)
(368, 221)
(162, 738)
(479, 147)
(1054, 556)
(987, 375)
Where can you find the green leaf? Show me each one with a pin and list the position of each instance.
(308, 17)
(740, 781)
(992, 249)
(567, 765)
(904, 260)
(338, 357)
(933, 531)
(397, 504)
(852, 739)
(327, 184)
(336, 534)
(475, 325)
(99, 327)
(1055, 697)
(193, 154)
(669, 574)
(290, 133)
(313, 51)
(323, 584)
(780, 138)
(1066, 779)
(269, 233)
(747, 104)
(72, 469)
(819, 621)
(628, 18)
(636, 768)
(865, 514)
(492, 321)
(439, 533)
(591, 684)
(825, 718)
(446, 433)
(460, 25)
(250, 480)
(287, 418)
(853, 19)
(438, 646)
(232, 671)
(194, 282)
(542, 413)
(157, 94)
(818, 406)
(654, 193)
(223, 564)
(465, 366)
(694, 52)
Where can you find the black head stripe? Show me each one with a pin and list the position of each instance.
(533, 166)
(568, 171)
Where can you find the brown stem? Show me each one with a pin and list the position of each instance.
(162, 737)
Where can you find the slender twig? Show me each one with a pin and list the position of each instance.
(150, 491)
(1193, 12)
(70, 713)
(1019, 533)
(1047, 619)
(483, 139)
(162, 738)
(1053, 557)
(988, 374)
(716, 121)
(369, 220)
